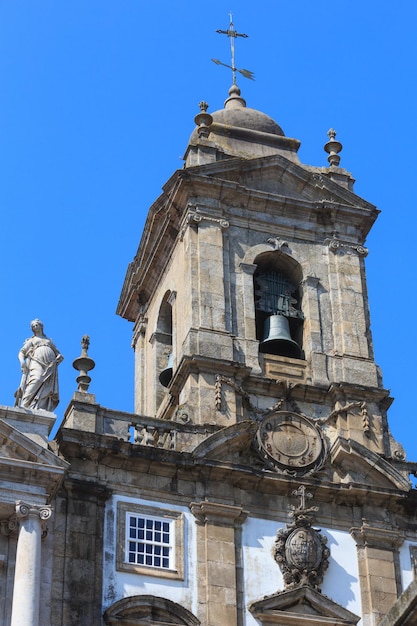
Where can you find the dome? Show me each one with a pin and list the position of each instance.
(248, 118)
(236, 131)
(236, 114)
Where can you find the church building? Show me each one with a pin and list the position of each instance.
(257, 481)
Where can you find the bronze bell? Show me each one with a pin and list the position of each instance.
(277, 338)
(166, 374)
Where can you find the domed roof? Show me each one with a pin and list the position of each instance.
(236, 131)
(248, 118)
(236, 113)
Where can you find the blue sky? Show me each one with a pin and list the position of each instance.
(97, 101)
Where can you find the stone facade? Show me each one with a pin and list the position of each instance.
(257, 481)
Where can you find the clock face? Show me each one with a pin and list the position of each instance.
(290, 442)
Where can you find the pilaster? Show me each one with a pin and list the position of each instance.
(379, 576)
(78, 553)
(313, 331)
(217, 562)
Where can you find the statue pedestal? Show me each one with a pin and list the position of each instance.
(35, 424)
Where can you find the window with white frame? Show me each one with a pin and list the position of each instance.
(150, 540)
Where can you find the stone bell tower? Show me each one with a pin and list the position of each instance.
(251, 271)
(252, 344)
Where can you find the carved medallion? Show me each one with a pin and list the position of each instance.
(291, 442)
(303, 549)
(300, 550)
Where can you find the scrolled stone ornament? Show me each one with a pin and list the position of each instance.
(22, 510)
(336, 245)
(45, 513)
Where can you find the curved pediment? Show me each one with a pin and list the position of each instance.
(362, 466)
(148, 609)
(228, 442)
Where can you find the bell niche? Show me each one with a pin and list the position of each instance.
(278, 315)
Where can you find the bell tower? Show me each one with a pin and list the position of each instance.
(251, 272)
(253, 351)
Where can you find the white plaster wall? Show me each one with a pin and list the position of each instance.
(405, 564)
(262, 575)
(118, 585)
(341, 581)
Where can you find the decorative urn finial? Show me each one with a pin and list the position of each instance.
(203, 120)
(84, 364)
(333, 148)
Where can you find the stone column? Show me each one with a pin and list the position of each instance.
(216, 561)
(26, 589)
(379, 574)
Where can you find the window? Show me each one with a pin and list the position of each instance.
(150, 541)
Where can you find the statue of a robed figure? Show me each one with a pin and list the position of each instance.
(39, 359)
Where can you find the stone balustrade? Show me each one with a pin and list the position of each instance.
(85, 415)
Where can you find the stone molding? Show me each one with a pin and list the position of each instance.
(220, 514)
(142, 608)
(313, 609)
(336, 245)
(195, 216)
(381, 538)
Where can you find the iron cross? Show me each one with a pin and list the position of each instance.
(232, 34)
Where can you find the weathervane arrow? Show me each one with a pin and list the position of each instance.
(232, 34)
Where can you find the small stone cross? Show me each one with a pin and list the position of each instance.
(302, 494)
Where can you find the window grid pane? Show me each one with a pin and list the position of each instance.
(149, 541)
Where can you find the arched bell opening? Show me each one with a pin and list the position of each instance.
(278, 314)
(163, 343)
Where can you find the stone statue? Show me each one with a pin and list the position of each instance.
(39, 360)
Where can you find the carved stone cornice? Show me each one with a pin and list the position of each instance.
(139, 328)
(337, 245)
(374, 537)
(195, 216)
(219, 514)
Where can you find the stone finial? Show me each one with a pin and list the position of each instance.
(235, 100)
(203, 120)
(333, 148)
(84, 364)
